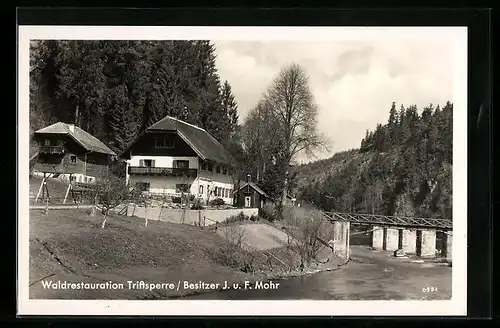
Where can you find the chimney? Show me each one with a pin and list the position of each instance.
(71, 128)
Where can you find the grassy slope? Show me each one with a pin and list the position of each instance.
(71, 246)
(124, 250)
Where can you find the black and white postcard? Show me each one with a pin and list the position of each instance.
(247, 170)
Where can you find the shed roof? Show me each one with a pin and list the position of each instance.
(85, 139)
(252, 185)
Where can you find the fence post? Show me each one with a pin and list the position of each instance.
(46, 206)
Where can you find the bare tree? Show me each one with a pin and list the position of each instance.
(109, 193)
(294, 112)
(233, 241)
(307, 232)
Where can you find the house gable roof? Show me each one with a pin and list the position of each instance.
(253, 186)
(83, 138)
(202, 142)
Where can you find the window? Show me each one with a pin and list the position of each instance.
(226, 193)
(73, 159)
(179, 188)
(247, 201)
(147, 162)
(217, 169)
(219, 192)
(224, 170)
(46, 142)
(181, 164)
(166, 142)
(215, 191)
(142, 186)
(201, 190)
(210, 167)
(204, 166)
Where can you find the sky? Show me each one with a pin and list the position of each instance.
(353, 82)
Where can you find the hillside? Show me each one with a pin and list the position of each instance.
(70, 245)
(402, 168)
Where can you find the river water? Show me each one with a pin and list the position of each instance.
(370, 275)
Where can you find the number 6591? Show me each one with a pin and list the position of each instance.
(429, 289)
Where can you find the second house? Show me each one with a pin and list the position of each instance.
(174, 157)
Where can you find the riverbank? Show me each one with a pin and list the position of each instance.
(369, 275)
(122, 260)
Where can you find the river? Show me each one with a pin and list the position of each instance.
(370, 275)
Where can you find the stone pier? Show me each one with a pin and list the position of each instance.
(409, 243)
(378, 238)
(341, 232)
(448, 246)
(391, 239)
(427, 247)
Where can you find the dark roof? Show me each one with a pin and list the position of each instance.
(83, 138)
(252, 185)
(202, 142)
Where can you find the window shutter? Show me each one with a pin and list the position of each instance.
(141, 162)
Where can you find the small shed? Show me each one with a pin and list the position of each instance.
(249, 195)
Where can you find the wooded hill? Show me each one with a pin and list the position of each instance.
(116, 89)
(403, 167)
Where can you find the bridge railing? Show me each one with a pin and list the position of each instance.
(387, 220)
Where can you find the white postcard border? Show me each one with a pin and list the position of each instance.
(455, 306)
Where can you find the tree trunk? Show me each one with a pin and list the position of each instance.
(105, 219)
(146, 216)
(77, 114)
(92, 213)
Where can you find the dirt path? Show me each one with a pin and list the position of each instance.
(260, 236)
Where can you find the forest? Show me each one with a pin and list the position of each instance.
(115, 89)
(403, 168)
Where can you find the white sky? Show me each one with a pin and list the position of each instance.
(354, 82)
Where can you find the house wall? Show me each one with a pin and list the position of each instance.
(167, 185)
(208, 180)
(83, 165)
(255, 200)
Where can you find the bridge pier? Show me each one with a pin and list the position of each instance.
(409, 241)
(341, 232)
(391, 239)
(426, 243)
(448, 246)
(378, 238)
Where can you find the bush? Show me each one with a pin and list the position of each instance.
(217, 202)
(237, 218)
(197, 205)
(268, 212)
(254, 218)
(176, 200)
(191, 198)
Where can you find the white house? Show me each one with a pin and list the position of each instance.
(174, 157)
